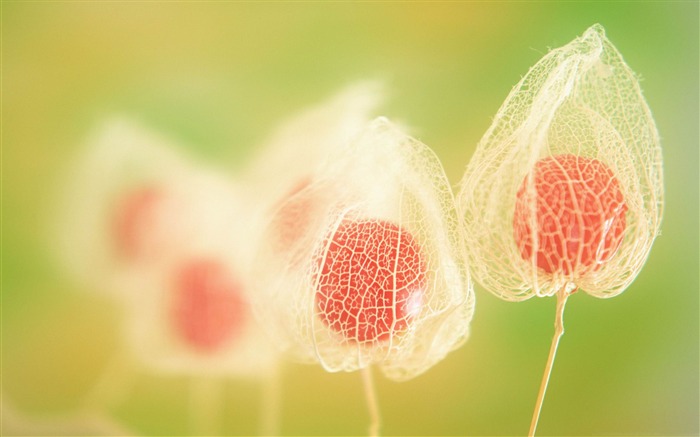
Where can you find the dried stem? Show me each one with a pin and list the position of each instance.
(562, 296)
(372, 404)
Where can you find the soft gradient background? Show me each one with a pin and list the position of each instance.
(219, 76)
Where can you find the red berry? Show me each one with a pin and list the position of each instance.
(208, 310)
(291, 220)
(135, 222)
(579, 215)
(372, 280)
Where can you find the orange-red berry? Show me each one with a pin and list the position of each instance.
(371, 281)
(579, 215)
(208, 310)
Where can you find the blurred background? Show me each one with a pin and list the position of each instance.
(217, 77)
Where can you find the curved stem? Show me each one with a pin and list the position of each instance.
(562, 295)
(372, 404)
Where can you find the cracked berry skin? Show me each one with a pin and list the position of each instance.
(579, 215)
(372, 280)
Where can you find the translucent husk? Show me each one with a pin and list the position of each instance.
(202, 217)
(118, 156)
(384, 175)
(296, 150)
(580, 99)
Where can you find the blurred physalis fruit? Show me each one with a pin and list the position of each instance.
(208, 310)
(290, 221)
(137, 222)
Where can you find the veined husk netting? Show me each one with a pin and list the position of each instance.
(580, 100)
(119, 157)
(167, 239)
(379, 211)
(289, 158)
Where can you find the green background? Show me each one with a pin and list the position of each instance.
(219, 76)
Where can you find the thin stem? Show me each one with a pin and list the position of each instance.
(270, 403)
(562, 296)
(372, 404)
